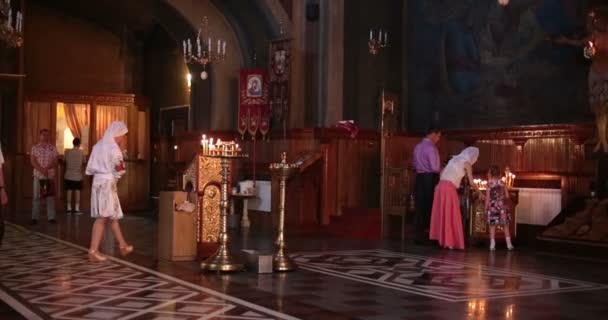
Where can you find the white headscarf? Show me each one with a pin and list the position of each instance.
(468, 155)
(455, 169)
(116, 129)
(106, 151)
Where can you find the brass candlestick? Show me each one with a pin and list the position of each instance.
(281, 261)
(222, 260)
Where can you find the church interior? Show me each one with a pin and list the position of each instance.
(271, 170)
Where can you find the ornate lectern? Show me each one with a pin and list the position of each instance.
(203, 174)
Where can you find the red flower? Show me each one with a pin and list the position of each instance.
(120, 166)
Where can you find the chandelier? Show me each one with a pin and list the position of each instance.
(11, 25)
(375, 44)
(198, 53)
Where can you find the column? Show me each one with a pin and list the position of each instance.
(297, 108)
(331, 82)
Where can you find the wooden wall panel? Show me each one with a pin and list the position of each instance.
(350, 175)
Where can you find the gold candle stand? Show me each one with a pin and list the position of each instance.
(282, 170)
(222, 260)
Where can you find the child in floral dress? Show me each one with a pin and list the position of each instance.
(496, 207)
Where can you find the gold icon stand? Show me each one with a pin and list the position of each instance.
(222, 260)
(280, 260)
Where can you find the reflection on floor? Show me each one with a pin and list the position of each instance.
(44, 274)
(435, 278)
(54, 279)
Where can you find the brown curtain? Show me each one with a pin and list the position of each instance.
(105, 115)
(77, 117)
(38, 118)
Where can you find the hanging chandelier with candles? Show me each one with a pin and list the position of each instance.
(203, 49)
(375, 44)
(11, 25)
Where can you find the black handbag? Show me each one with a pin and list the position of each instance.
(46, 188)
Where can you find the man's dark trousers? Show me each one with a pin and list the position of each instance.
(424, 192)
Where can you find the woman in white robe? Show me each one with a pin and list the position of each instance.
(106, 165)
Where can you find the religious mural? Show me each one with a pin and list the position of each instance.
(475, 63)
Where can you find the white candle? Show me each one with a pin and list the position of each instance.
(184, 45)
(189, 47)
(218, 46)
(224, 48)
(379, 35)
(198, 46)
(385, 37)
(370, 34)
(209, 45)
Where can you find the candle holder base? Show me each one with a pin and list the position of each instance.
(222, 262)
(282, 263)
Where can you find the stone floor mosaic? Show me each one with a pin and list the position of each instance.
(435, 278)
(45, 278)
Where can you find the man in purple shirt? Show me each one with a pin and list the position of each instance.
(427, 165)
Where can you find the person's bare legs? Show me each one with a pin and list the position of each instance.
(118, 233)
(77, 201)
(68, 195)
(601, 120)
(492, 238)
(508, 236)
(124, 247)
(96, 236)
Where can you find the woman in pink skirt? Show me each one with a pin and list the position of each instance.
(446, 220)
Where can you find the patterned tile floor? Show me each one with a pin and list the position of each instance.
(52, 278)
(435, 278)
(46, 275)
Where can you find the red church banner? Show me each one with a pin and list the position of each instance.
(254, 112)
